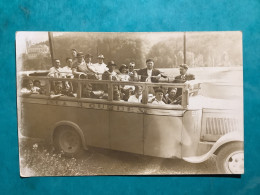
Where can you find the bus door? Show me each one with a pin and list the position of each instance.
(163, 129)
(93, 116)
(125, 121)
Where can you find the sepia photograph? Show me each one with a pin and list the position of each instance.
(130, 103)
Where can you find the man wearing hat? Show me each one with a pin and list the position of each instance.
(149, 74)
(158, 97)
(100, 67)
(183, 77)
(110, 74)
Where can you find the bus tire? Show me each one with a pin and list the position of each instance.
(67, 141)
(230, 159)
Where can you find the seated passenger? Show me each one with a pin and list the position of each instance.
(132, 72)
(29, 88)
(100, 67)
(37, 83)
(117, 95)
(86, 91)
(183, 77)
(57, 92)
(56, 70)
(110, 74)
(79, 67)
(68, 89)
(158, 97)
(66, 70)
(137, 97)
(171, 96)
(123, 76)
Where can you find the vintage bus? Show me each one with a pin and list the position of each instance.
(93, 118)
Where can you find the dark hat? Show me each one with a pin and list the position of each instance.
(185, 66)
(80, 54)
(101, 56)
(149, 60)
(88, 55)
(158, 90)
(122, 66)
(111, 63)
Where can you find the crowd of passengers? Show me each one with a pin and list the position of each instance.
(81, 66)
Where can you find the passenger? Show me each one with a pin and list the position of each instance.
(68, 89)
(123, 76)
(183, 77)
(137, 97)
(90, 66)
(132, 72)
(110, 74)
(67, 70)
(158, 97)
(57, 92)
(171, 96)
(56, 70)
(117, 95)
(100, 67)
(86, 91)
(149, 74)
(74, 53)
(37, 84)
(79, 67)
(29, 88)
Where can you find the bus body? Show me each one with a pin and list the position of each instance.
(167, 131)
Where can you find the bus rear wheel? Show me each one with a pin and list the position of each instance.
(230, 159)
(67, 141)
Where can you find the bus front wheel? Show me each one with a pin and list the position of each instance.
(67, 141)
(230, 159)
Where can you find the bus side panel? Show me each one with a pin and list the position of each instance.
(162, 136)
(191, 132)
(126, 132)
(35, 120)
(40, 118)
(95, 125)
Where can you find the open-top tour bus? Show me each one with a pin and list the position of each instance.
(186, 130)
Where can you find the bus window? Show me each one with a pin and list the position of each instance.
(94, 90)
(30, 86)
(164, 95)
(127, 93)
(64, 88)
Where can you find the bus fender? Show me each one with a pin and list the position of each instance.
(74, 126)
(229, 137)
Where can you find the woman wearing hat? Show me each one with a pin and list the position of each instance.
(100, 67)
(110, 74)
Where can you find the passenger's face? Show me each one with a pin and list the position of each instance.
(124, 70)
(30, 85)
(149, 65)
(58, 87)
(183, 71)
(172, 93)
(100, 60)
(139, 91)
(37, 84)
(111, 68)
(80, 59)
(159, 96)
(69, 62)
(74, 53)
(88, 60)
(131, 68)
(57, 63)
